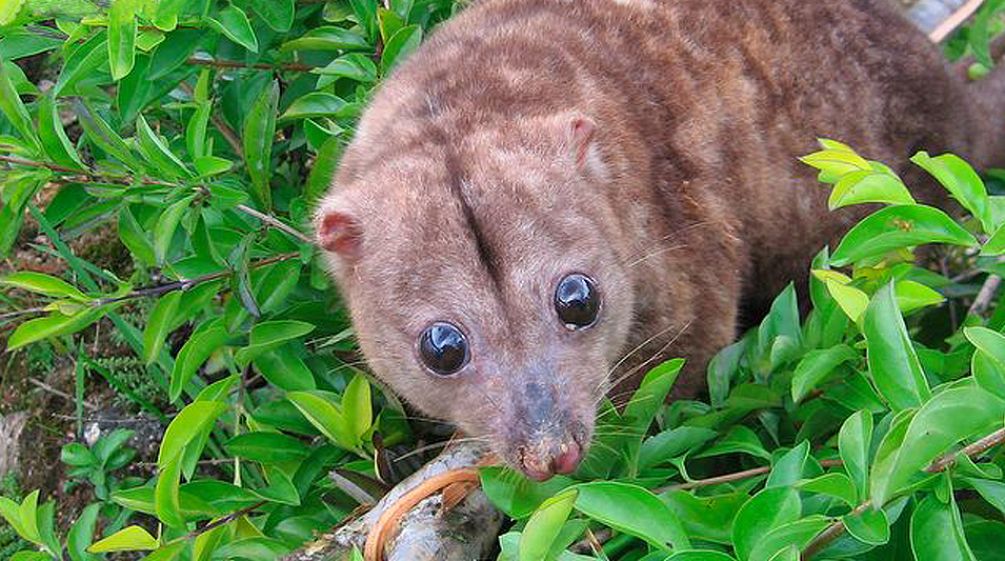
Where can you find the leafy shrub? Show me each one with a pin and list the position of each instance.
(203, 132)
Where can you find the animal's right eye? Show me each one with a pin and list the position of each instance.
(443, 348)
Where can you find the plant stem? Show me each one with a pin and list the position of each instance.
(228, 133)
(89, 176)
(941, 464)
(225, 520)
(217, 63)
(731, 477)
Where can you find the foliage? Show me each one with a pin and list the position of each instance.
(95, 464)
(204, 132)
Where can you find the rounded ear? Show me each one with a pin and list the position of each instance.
(581, 131)
(339, 233)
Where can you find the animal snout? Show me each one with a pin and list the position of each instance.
(542, 460)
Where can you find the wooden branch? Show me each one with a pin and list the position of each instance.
(941, 464)
(944, 29)
(427, 532)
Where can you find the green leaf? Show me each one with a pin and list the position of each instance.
(167, 503)
(988, 363)
(53, 137)
(947, 419)
(356, 405)
(121, 37)
(277, 14)
(259, 134)
(632, 510)
(870, 526)
(405, 41)
(962, 182)
(996, 244)
(767, 510)
(285, 370)
(159, 325)
(233, 23)
(816, 366)
(835, 161)
(267, 447)
(937, 532)
(206, 340)
(851, 300)
(87, 58)
(327, 38)
(315, 104)
(54, 325)
(912, 295)
(28, 512)
(672, 443)
(166, 16)
(325, 416)
(699, 555)
(898, 227)
(132, 538)
(82, 532)
(788, 537)
(47, 285)
(706, 518)
(836, 485)
(102, 135)
(134, 237)
(354, 66)
(860, 187)
(544, 526)
(14, 109)
(189, 422)
(854, 443)
(9, 10)
(992, 491)
(788, 469)
(269, 335)
(157, 153)
(893, 362)
(166, 225)
(516, 495)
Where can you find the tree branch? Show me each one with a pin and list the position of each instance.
(217, 63)
(89, 176)
(941, 464)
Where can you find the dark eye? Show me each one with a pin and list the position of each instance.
(443, 348)
(577, 301)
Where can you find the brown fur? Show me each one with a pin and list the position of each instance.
(469, 194)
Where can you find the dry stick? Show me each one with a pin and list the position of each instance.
(275, 223)
(952, 22)
(987, 293)
(42, 385)
(217, 63)
(941, 464)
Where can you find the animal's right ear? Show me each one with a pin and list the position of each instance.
(340, 233)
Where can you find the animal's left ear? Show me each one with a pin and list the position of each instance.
(581, 130)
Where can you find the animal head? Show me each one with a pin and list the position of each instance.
(478, 269)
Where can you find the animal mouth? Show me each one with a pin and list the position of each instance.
(541, 461)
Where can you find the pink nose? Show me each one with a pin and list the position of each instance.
(543, 468)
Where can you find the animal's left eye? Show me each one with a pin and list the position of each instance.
(577, 301)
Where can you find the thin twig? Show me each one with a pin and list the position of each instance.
(217, 63)
(945, 28)
(90, 176)
(275, 223)
(225, 520)
(941, 464)
(42, 385)
(160, 289)
(987, 293)
(731, 477)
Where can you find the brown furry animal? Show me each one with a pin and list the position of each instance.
(547, 185)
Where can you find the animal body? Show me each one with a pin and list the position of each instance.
(551, 195)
